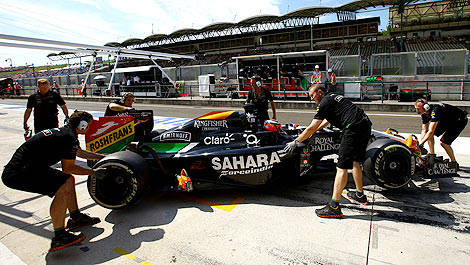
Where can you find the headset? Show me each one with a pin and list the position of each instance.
(82, 125)
(426, 105)
(125, 96)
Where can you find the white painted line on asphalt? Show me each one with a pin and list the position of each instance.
(393, 115)
(375, 236)
(7, 257)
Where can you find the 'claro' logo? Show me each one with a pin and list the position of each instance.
(242, 165)
(111, 138)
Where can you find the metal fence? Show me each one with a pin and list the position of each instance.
(349, 66)
(360, 90)
(392, 64)
(445, 62)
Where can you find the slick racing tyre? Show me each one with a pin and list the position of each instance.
(124, 183)
(389, 163)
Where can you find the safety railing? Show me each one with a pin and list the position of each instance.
(359, 90)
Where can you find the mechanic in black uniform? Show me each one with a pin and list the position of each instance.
(356, 126)
(122, 106)
(260, 96)
(441, 119)
(45, 103)
(30, 170)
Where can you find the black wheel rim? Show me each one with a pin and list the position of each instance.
(396, 168)
(116, 188)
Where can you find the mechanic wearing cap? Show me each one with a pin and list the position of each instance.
(260, 96)
(440, 119)
(331, 80)
(30, 170)
(356, 126)
(120, 107)
(316, 75)
(45, 103)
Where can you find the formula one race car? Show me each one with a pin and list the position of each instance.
(230, 148)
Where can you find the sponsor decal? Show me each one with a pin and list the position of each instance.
(111, 137)
(338, 98)
(441, 169)
(176, 136)
(104, 127)
(218, 140)
(48, 132)
(242, 165)
(210, 125)
(320, 144)
(379, 162)
(251, 139)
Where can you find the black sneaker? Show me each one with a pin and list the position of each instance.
(456, 165)
(329, 212)
(353, 196)
(82, 220)
(65, 239)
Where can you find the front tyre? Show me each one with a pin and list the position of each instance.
(389, 163)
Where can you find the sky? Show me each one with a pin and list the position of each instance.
(98, 22)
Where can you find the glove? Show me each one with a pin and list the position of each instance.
(423, 150)
(25, 126)
(100, 173)
(66, 120)
(289, 148)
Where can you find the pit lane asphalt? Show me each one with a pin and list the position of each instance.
(426, 223)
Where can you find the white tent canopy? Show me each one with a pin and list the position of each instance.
(92, 50)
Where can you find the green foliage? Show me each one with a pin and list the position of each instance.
(386, 32)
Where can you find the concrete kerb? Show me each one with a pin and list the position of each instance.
(376, 105)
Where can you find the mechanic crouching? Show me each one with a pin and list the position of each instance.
(441, 119)
(356, 126)
(30, 170)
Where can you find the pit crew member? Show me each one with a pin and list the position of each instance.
(356, 126)
(120, 107)
(260, 96)
(30, 170)
(317, 75)
(441, 119)
(331, 80)
(44, 102)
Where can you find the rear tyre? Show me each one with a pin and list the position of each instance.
(389, 163)
(124, 185)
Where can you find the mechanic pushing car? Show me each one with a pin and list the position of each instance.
(260, 96)
(356, 126)
(30, 170)
(45, 103)
(441, 119)
(120, 107)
